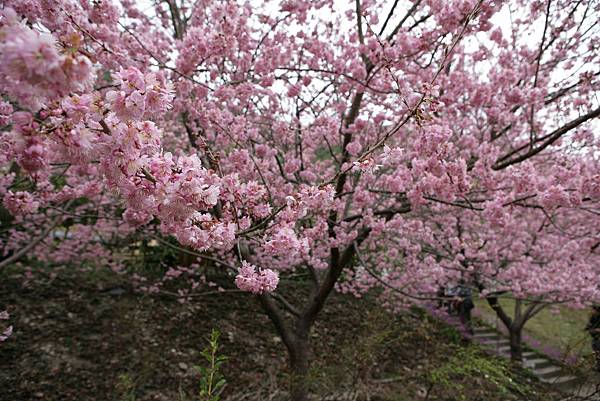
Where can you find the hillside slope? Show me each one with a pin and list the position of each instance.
(92, 338)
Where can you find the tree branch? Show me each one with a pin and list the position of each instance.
(33, 243)
(549, 139)
(276, 316)
(495, 305)
(335, 270)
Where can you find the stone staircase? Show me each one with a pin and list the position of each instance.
(547, 370)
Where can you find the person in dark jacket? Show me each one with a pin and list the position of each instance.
(465, 306)
(593, 327)
(441, 297)
(453, 301)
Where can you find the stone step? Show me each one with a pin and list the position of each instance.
(563, 380)
(490, 334)
(501, 349)
(483, 329)
(536, 362)
(548, 372)
(494, 342)
(504, 349)
(498, 352)
(580, 389)
(504, 352)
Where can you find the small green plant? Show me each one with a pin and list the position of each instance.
(126, 387)
(211, 379)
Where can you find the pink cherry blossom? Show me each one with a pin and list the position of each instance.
(300, 138)
(256, 281)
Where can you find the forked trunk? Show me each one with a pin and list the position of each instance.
(296, 339)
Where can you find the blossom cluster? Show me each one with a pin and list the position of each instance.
(20, 203)
(34, 70)
(256, 281)
(242, 124)
(109, 135)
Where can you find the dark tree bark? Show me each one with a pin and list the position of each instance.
(300, 364)
(515, 325)
(514, 329)
(295, 336)
(516, 344)
(296, 340)
(295, 331)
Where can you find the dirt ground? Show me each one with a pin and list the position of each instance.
(91, 337)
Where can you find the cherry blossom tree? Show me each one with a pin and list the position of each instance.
(537, 255)
(526, 224)
(307, 138)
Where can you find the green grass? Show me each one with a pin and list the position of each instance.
(563, 331)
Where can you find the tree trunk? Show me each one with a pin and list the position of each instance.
(299, 363)
(296, 336)
(514, 327)
(516, 348)
(296, 339)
